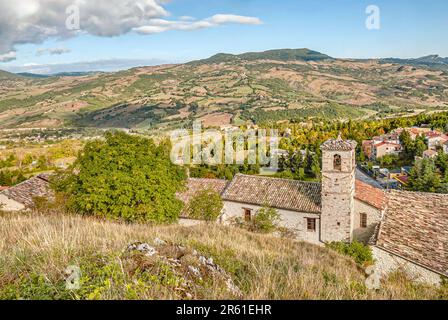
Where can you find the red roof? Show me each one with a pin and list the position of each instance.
(389, 143)
(402, 179)
(370, 195)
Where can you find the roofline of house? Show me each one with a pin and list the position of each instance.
(275, 207)
(369, 204)
(412, 261)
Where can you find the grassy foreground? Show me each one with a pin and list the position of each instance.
(35, 251)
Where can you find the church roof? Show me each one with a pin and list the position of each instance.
(338, 145)
(370, 195)
(415, 227)
(26, 191)
(278, 193)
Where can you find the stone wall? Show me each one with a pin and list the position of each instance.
(386, 263)
(7, 204)
(294, 221)
(373, 218)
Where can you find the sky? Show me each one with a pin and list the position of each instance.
(119, 34)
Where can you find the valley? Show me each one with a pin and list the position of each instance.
(259, 88)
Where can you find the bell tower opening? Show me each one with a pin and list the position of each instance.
(337, 163)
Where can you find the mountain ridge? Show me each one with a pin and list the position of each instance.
(260, 87)
(302, 54)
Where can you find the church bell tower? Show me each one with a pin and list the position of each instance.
(338, 189)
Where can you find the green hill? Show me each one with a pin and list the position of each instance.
(276, 55)
(262, 87)
(8, 76)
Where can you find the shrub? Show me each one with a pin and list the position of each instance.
(361, 253)
(206, 205)
(265, 221)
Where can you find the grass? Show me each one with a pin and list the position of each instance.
(36, 249)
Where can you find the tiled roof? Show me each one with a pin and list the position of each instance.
(430, 152)
(194, 186)
(370, 195)
(26, 191)
(402, 179)
(416, 227)
(278, 193)
(383, 143)
(338, 145)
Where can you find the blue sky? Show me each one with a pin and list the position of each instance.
(334, 27)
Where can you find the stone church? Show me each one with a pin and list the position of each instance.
(406, 230)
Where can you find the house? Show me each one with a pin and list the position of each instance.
(382, 145)
(406, 230)
(414, 132)
(435, 139)
(386, 148)
(430, 154)
(445, 147)
(21, 197)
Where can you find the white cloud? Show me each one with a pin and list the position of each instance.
(10, 56)
(52, 51)
(161, 25)
(86, 66)
(231, 18)
(34, 21)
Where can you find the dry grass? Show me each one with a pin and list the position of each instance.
(262, 266)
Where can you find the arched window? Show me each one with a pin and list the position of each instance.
(337, 162)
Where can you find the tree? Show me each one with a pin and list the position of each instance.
(266, 220)
(124, 177)
(206, 205)
(424, 177)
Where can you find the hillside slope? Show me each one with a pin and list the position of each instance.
(35, 251)
(258, 87)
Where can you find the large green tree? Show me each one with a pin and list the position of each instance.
(424, 177)
(124, 177)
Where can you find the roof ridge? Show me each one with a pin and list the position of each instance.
(277, 178)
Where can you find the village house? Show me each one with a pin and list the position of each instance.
(435, 139)
(380, 146)
(386, 148)
(430, 154)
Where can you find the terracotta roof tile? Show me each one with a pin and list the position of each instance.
(26, 191)
(416, 227)
(278, 193)
(194, 186)
(370, 195)
(338, 145)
